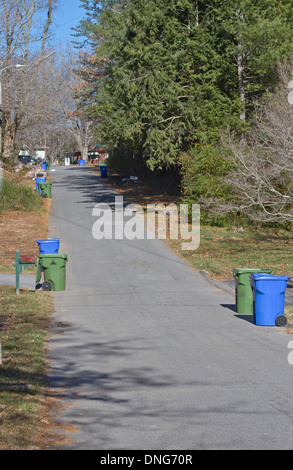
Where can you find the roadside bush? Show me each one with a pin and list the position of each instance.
(203, 172)
(17, 197)
(124, 162)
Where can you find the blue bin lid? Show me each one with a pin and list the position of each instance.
(48, 240)
(269, 277)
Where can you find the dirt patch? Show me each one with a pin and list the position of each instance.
(141, 193)
(53, 434)
(19, 231)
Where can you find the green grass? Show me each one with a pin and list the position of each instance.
(221, 250)
(289, 314)
(23, 332)
(17, 197)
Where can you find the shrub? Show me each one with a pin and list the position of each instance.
(203, 171)
(17, 197)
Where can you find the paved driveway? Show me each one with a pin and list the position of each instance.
(146, 354)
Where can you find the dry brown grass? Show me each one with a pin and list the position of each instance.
(28, 408)
(19, 231)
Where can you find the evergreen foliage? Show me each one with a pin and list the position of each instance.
(169, 76)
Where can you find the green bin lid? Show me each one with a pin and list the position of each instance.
(53, 255)
(238, 271)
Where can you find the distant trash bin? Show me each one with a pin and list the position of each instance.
(53, 268)
(103, 171)
(243, 291)
(39, 180)
(269, 299)
(44, 166)
(46, 190)
(49, 246)
(81, 162)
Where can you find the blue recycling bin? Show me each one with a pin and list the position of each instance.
(39, 180)
(103, 171)
(81, 162)
(269, 299)
(44, 166)
(50, 246)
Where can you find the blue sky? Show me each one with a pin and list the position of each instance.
(67, 16)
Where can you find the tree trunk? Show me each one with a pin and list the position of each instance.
(10, 129)
(47, 25)
(85, 152)
(241, 85)
(82, 135)
(86, 141)
(241, 65)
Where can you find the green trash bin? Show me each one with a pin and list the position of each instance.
(53, 267)
(46, 190)
(243, 290)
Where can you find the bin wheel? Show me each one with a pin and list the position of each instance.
(47, 286)
(281, 320)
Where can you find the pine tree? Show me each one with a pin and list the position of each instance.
(161, 91)
(177, 72)
(253, 35)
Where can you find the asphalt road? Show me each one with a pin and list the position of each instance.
(146, 354)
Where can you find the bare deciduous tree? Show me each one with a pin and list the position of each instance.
(41, 126)
(54, 119)
(24, 31)
(74, 117)
(262, 176)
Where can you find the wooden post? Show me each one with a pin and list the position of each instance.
(17, 271)
(19, 267)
